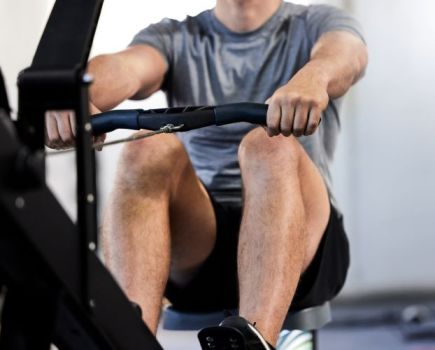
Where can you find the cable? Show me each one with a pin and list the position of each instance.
(167, 129)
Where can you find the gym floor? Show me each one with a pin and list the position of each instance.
(373, 326)
(356, 326)
(357, 338)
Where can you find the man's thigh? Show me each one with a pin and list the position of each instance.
(192, 224)
(214, 279)
(215, 284)
(327, 253)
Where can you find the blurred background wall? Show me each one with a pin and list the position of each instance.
(385, 166)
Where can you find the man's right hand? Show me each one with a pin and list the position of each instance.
(60, 128)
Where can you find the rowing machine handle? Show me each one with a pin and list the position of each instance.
(190, 117)
(254, 113)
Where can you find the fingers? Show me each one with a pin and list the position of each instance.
(60, 129)
(53, 139)
(293, 113)
(72, 122)
(289, 115)
(99, 139)
(64, 127)
(301, 119)
(313, 121)
(287, 119)
(273, 118)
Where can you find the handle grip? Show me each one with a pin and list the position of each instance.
(189, 117)
(117, 119)
(254, 113)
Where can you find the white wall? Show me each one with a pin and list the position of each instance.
(387, 158)
(385, 164)
(21, 24)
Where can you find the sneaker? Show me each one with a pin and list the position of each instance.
(234, 333)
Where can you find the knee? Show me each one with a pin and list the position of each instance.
(154, 161)
(259, 152)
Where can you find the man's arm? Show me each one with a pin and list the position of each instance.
(338, 60)
(136, 73)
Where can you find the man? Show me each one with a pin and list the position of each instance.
(173, 227)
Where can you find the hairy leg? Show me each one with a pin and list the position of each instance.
(156, 209)
(286, 210)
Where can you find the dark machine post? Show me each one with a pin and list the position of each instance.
(57, 80)
(57, 290)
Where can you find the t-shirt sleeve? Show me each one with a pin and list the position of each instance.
(160, 36)
(325, 18)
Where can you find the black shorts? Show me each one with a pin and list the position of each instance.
(215, 285)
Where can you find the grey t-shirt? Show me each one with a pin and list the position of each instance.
(210, 65)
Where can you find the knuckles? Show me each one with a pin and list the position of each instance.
(301, 102)
(273, 132)
(68, 141)
(298, 132)
(286, 133)
(55, 141)
(311, 128)
(53, 144)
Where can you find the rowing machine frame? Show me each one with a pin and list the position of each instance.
(57, 290)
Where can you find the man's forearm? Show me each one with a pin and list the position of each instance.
(136, 72)
(112, 82)
(338, 60)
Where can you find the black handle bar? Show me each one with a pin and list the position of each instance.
(189, 117)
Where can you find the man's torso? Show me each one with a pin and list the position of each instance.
(210, 65)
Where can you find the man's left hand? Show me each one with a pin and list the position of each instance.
(295, 108)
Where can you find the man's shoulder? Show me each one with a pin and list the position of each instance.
(189, 24)
(292, 9)
(304, 11)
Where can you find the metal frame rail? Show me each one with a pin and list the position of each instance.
(57, 290)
